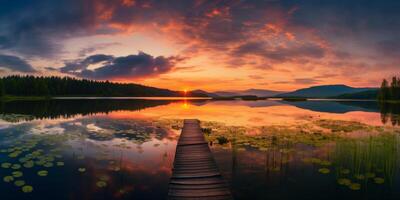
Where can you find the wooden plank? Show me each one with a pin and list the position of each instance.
(195, 174)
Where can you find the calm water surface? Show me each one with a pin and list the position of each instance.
(124, 149)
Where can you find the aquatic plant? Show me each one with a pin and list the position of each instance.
(17, 174)
(27, 189)
(82, 169)
(222, 140)
(324, 171)
(6, 165)
(8, 179)
(365, 158)
(19, 183)
(101, 184)
(43, 173)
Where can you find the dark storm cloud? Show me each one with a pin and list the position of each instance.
(131, 66)
(77, 65)
(15, 64)
(356, 19)
(37, 28)
(278, 31)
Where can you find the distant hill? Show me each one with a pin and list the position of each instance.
(204, 93)
(323, 91)
(252, 92)
(368, 94)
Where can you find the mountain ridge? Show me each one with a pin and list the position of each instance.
(324, 91)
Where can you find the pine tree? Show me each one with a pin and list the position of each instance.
(393, 89)
(384, 91)
(2, 92)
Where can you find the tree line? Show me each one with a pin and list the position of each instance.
(66, 86)
(390, 92)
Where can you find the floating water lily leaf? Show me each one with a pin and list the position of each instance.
(101, 184)
(82, 169)
(370, 175)
(344, 181)
(316, 160)
(6, 165)
(16, 166)
(60, 163)
(80, 157)
(19, 183)
(345, 171)
(325, 163)
(40, 162)
(379, 180)
(27, 189)
(104, 178)
(8, 179)
(324, 171)
(355, 186)
(14, 154)
(29, 164)
(17, 174)
(23, 159)
(359, 176)
(48, 164)
(43, 173)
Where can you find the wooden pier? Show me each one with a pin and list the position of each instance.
(195, 174)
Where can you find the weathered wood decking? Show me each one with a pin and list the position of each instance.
(195, 174)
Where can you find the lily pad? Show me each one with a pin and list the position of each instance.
(344, 181)
(14, 154)
(370, 175)
(6, 165)
(359, 176)
(325, 163)
(345, 171)
(19, 183)
(104, 178)
(27, 189)
(48, 164)
(16, 166)
(379, 180)
(43, 173)
(60, 164)
(117, 169)
(324, 171)
(355, 186)
(29, 164)
(80, 157)
(8, 179)
(82, 169)
(17, 174)
(101, 184)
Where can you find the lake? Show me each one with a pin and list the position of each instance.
(107, 148)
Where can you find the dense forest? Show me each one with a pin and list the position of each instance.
(390, 92)
(66, 86)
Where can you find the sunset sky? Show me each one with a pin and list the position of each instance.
(201, 44)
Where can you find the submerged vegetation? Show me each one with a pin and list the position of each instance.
(26, 159)
(353, 153)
